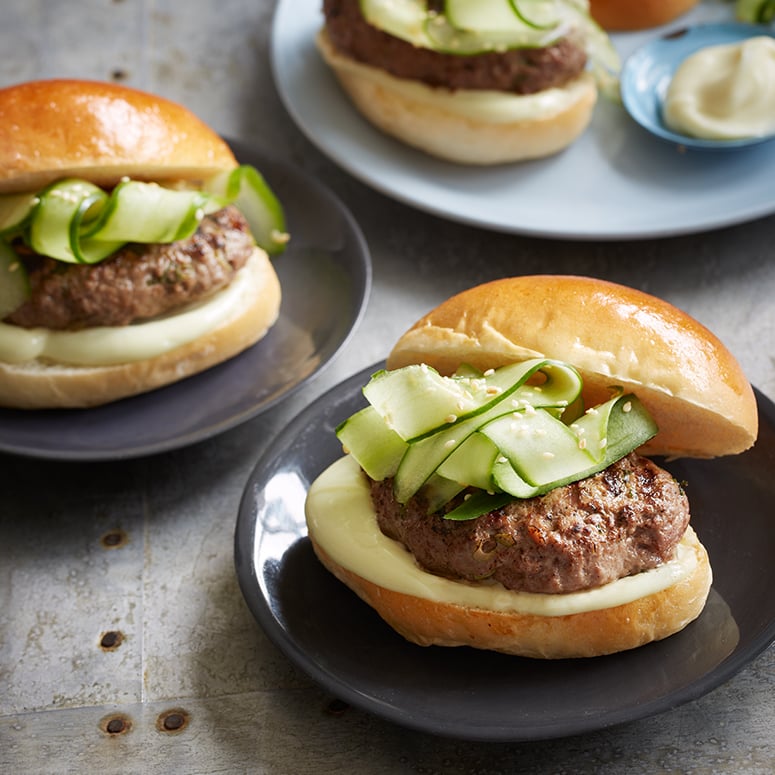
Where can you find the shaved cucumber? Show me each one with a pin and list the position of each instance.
(75, 221)
(505, 432)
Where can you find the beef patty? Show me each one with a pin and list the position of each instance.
(139, 281)
(627, 519)
(519, 71)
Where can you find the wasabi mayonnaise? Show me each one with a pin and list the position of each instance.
(725, 92)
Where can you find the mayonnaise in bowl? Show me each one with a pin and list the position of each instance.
(724, 92)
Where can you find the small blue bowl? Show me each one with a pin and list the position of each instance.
(647, 73)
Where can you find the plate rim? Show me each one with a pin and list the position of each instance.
(243, 149)
(261, 608)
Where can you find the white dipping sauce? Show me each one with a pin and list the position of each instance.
(725, 92)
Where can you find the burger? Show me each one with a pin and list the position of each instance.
(134, 249)
(474, 83)
(498, 489)
(627, 15)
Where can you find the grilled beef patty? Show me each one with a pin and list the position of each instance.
(624, 520)
(139, 281)
(519, 71)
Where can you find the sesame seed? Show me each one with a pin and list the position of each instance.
(627, 407)
(489, 372)
(548, 455)
(493, 390)
(281, 237)
(450, 418)
(449, 443)
(582, 443)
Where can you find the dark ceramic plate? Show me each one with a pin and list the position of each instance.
(325, 276)
(344, 646)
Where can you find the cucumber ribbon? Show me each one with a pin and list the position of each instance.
(515, 432)
(755, 11)
(77, 222)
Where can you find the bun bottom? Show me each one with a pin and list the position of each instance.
(478, 128)
(587, 634)
(45, 385)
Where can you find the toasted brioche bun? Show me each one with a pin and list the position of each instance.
(615, 336)
(467, 127)
(624, 15)
(40, 384)
(58, 128)
(426, 617)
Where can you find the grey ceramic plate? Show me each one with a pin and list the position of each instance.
(343, 645)
(325, 274)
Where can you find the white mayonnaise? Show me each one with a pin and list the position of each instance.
(341, 520)
(106, 346)
(724, 92)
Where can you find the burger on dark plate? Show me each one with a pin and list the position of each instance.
(134, 250)
(498, 489)
(470, 81)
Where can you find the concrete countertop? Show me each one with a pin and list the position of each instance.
(144, 547)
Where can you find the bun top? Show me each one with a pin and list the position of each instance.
(101, 132)
(637, 14)
(615, 336)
